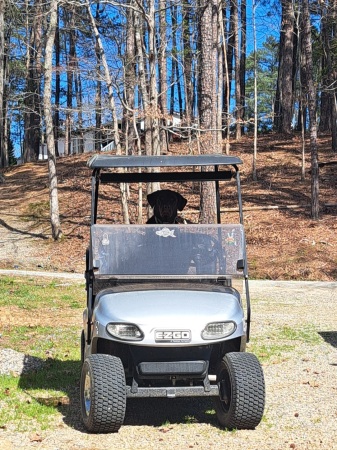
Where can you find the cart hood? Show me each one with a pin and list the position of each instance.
(169, 309)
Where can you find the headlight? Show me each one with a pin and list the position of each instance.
(125, 331)
(218, 330)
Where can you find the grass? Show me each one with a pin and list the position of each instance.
(38, 399)
(43, 341)
(282, 341)
(35, 400)
(38, 211)
(307, 333)
(34, 293)
(20, 408)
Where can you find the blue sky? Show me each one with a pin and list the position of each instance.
(267, 23)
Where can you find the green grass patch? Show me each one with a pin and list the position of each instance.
(270, 351)
(36, 400)
(27, 293)
(44, 341)
(189, 419)
(282, 341)
(19, 407)
(38, 211)
(307, 334)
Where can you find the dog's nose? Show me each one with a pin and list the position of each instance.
(167, 208)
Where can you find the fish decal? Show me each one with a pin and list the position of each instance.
(166, 232)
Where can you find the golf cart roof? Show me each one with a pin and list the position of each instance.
(108, 169)
(101, 161)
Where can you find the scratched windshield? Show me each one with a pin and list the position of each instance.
(181, 250)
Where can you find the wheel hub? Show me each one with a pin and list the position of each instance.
(87, 393)
(223, 393)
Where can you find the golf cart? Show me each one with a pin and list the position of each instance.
(164, 317)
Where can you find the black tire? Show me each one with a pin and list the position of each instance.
(241, 400)
(103, 393)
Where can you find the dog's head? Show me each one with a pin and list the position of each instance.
(165, 204)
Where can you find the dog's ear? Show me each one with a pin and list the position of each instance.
(181, 201)
(152, 198)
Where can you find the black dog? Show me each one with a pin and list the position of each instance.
(166, 204)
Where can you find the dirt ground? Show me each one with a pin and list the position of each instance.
(283, 241)
(294, 330)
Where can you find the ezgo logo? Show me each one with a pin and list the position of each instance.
(172, 335)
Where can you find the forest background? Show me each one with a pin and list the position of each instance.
(124, 69)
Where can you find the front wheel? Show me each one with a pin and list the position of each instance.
(241, 400)
(103, 393)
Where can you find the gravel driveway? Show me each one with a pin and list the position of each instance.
(301, 383)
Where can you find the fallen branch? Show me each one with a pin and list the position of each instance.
(262, 208)
(265, 208)
(327, 163)
(253, 208)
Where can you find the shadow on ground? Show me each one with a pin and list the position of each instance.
(161, 411)
(22, 232)
(64, 376)
(330, 337)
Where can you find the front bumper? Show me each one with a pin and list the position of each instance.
(173, 391)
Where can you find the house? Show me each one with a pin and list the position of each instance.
(86, 140)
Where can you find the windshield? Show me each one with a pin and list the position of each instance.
(180, 250)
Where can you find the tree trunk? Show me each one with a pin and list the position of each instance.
(333, 59)
(237, 70)
(180, 96)
(53, 193)
(226, 83)
(123, 190)
(243, 52)
(286, 67)
(207, 106)
(107, 79)
(98, 92)
(2, 84)
(175, 45)
(77, 88)
(187, 63)
(132, 140)
(33, 86)
(172, 84)
(230, 54)
(78, 95)
(130, 85)
(334, 124)
(57, 84)
(154, 110)
(255, 94)
(162, 100)
(142, 76)
(303, 101)
(326, 106)
(277, 103)
(148, 87)
(70, 17)
(220, 84)
(311, 95)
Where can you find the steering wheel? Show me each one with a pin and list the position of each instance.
(206, 252)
